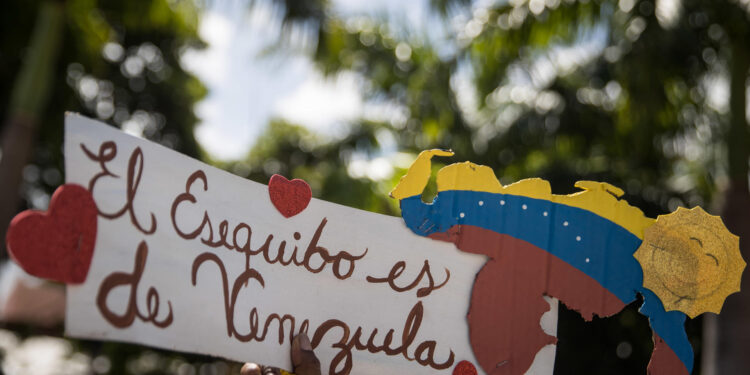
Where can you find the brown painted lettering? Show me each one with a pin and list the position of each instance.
(341, 364)
(107, 152)
(399, 268)
(131, 280)
(314, 259)
(255, 332)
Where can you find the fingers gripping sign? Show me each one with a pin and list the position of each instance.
(304, 360)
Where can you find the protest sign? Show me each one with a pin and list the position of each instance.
(163, 250)
(192, 258)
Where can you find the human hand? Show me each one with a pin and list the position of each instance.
(303, 359)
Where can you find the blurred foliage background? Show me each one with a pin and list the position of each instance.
(660, 110)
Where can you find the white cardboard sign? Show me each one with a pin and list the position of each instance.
(192, 258)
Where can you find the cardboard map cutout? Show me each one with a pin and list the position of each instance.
(191, 258)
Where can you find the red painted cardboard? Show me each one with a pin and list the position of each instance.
(465, 368)
(289, 197)
(664, 360)
(57, 244)
(503, 311)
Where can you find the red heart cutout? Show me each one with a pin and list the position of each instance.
(57, 244)
(289, 197)
(465, 368)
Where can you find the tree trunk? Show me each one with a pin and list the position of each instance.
(734, 321)
(28, 101)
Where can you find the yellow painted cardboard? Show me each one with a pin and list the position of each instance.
(691, 261)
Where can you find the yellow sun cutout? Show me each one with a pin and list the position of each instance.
(690, 261)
